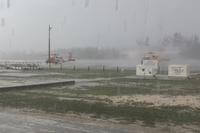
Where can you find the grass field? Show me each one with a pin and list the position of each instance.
(114, 95)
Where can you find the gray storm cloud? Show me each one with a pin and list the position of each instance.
(82, 23)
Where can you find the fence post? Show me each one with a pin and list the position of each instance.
(88, 68)
(103, 68)
(74, 68)
(61, 66)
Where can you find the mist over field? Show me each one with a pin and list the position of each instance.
(100, 29)
(93, 66)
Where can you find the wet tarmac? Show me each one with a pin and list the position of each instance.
(11, 122)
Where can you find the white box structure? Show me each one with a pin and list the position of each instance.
(178, 71)
(142, 70)
(151, 63)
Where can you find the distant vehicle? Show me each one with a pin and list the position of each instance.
(70, 58)
(56, 59)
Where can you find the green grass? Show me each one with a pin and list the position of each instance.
(47, 99)
(84, 73)
(144, 89)
(148, 115)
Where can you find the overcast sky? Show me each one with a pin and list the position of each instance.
(79, 23)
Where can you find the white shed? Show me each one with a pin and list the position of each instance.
(178, 71)
(142, 70)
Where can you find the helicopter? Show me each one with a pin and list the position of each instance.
(56, 59)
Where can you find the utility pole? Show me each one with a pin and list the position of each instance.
(8, 3)
(49, 46)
